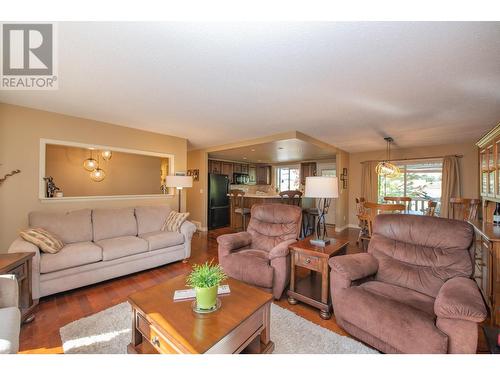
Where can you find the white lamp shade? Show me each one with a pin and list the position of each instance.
(322, 187)
(179, 181)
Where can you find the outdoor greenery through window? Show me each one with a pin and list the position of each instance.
(288, 178)
(420, 181)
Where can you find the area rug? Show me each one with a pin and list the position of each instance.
(108, 332)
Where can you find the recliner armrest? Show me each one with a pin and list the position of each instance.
(460, 298)
(230, 242)
(354, 266)
(281, 250)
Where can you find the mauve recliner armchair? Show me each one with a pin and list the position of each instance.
(412, 292)
(260, 255)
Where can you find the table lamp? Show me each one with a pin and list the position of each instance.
(324, 188)
(179, 182)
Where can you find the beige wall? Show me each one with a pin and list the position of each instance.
(469, 168)
(126, 173)
(20, 132)
(197, 198)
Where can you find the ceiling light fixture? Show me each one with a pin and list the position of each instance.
(90, 164)
(386, 168)
(97, 175)
(106, 154)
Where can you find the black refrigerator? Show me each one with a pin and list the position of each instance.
(218, 201)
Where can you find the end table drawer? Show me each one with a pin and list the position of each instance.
(307, 261)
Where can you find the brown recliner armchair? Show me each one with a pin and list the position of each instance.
(412, 292)
(260, 255)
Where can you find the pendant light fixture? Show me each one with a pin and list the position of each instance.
(97, 174)
(106, 154)
(386, 168)
(90, 164)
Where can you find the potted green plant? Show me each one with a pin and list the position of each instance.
(205, 279)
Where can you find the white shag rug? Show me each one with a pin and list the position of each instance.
(108, 332)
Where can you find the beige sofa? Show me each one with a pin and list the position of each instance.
(10, 316)
(102, 244)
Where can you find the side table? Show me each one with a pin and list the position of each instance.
(313, 289)
(19, 264)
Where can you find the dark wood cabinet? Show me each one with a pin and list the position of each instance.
(307, 170)
(237, 168)
(263, 175)
(227, 169)
(252, 174)
(215, 166)
(244, 168)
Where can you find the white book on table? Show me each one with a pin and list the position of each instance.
(191, 293)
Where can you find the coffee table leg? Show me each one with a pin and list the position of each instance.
(267, 346)
(325, 314)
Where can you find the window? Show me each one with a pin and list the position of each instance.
(419, 180)
(288, 178)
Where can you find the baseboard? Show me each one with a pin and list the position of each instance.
(340, 229)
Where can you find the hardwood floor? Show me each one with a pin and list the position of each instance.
(53, 312)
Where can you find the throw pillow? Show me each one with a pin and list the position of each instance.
(174, 221)
(46, 241)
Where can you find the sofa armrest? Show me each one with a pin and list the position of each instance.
(21, 246)
(234, 241)
(281, 250)
(187, 229)
(460, 298)
(9, 291)
(354, 266)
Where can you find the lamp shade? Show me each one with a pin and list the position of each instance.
(179, 181)
(322, 187)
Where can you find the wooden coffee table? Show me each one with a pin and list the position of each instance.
(313, 289)
(160, 325)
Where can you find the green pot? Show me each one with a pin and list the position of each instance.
(206, 298)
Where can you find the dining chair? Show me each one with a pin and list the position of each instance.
(374, 209)
(431, 208)
(362, 219)
(400, 200)
(238, 206)
(291, 197)
(464, 208)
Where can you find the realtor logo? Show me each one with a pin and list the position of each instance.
(28, 57)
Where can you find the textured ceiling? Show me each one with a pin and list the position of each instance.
(348, 84)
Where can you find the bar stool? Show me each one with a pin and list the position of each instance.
(238, 206)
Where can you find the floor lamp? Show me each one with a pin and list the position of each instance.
(179, 182)
(325, 188)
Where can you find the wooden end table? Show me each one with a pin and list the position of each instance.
(313, 289)
(160, 325)
(19, 264)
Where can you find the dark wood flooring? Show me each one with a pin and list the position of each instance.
(53, 312)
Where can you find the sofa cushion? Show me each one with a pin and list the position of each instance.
(46, 241)
(404, 327)
(10, 323)
(421, 252)
(245, 266)
(151, 218)
(71, 255)
(70, 227)
(112, 223)
(161, 239)
(119, 247)
(409, 297)
(174, 221)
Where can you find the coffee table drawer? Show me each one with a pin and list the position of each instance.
(234, 342)
(156, 339)
(307, 261)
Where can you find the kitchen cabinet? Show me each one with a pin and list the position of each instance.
(215, 166)
(227, 169)
(244, 168)
(252, 174)
(236, 168)
(307, 170)
(263, 173)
